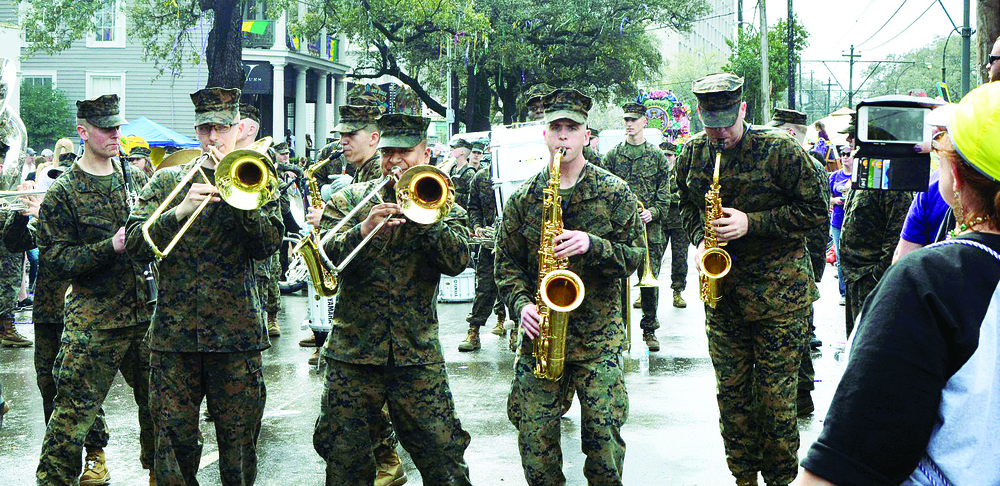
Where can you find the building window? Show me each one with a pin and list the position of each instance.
(106, 83)
(109, 23)
(39, 79)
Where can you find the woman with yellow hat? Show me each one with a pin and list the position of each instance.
(919, 401)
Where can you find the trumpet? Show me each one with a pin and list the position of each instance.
(425, 194)
(648, 280)
(246, 180)
(16, 205)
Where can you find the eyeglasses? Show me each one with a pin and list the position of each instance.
(990, 60)
(207, 128)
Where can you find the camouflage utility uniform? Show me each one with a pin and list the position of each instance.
(644, 168)
(483, 214)
(756, 331)
(462, 179)
(208, 330)
(392, 283)
(873, 221)
(674, 236)
(106, 314)
(602, 205)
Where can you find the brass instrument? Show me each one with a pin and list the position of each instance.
(560, 291)
(715, 262)
(13, 135)
(424, 193)
(246, 179)
(484, 236)
(324, 281)
(648, 280)
(17, 206)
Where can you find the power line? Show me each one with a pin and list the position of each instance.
(883, 25)
(933, 3)
(855, 22)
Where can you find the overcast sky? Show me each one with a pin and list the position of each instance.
(834, 25)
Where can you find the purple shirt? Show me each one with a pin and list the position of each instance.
(926, 213)
(838, 185)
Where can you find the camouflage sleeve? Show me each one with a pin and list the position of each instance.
(61, 244)
(816, 240)
(896, 204)
(806, 208)
(264, 228)
(692, 219)
(447, 241)
(515, 279)
(475, 207)
(349, 236)
(163, 229)
(463, 187)
(619, 256)
(17, 237)
(661, 196)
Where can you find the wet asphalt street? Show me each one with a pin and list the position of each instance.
(672, 433)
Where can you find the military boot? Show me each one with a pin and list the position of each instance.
(638, 303)
(471, 342)
(804, 404)
(390, 471)
(651, 342)
(273, 329)
(748, 481)
(678, 300)
(9, 336)
(309, 342)
(498, 329)
(314, 359)
(95, 472)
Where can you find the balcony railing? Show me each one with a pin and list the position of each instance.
(258, 34)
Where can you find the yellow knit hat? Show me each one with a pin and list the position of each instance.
(975, 129)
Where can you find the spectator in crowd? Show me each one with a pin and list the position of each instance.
(840, 184)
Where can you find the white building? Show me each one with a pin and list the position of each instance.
(708, 35)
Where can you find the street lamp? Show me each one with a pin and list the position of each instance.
(945, 51)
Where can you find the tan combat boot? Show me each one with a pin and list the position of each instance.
(678, 300)
(651, 342)
(9, 337)
(314, 359)
(95, 472)
(309, 342)
(390, 471)
(471, 342)
(638, 303)
(498, 328)
(273, 329)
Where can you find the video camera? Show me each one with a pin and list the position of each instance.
(888, 129)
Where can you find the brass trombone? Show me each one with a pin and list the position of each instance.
(246, 179)
(425, 194)
(648, 280)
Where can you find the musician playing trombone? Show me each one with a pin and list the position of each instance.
(602, 239)
(208, 328)
(81, 238)
(383, 346)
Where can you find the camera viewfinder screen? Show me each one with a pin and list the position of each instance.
(889, 124)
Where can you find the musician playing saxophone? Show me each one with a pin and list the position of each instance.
(770, 198)
(602, 240)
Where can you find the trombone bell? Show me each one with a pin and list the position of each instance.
(423, 192)
(246, 178)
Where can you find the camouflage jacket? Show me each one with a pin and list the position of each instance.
(872, 223)
(370, 170)
(208, 298)
(592, 156)
(768, 176)
(644, 168)
(482, 202)
(47, 308)
(818, 238)
(600, 204)
(78, 218)
(386, 311)
(462, 178)
(335, 166)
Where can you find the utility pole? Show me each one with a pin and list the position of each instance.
(850, 79)
(791, 57)
(966, 47)
(765, 82)
(739, 21)
(829, 84)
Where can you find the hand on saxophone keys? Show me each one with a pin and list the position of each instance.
(732, 225)
(378, 214)
(529, 320)
(570, 243)
(314, 216)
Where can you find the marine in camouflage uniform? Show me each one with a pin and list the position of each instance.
(393, 281)
(105, 314)
(461, 171)
(643, 166)
(755, 334)
(599, 204)
(207, 331)
(483, 215)
(872, 223)
(673, 231)
(11, 274)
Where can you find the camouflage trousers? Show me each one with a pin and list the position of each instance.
(756, 370)
(422, 411)
(268, 275)
(807, 374)
(535, 408)
(233, 384)
(857, 292)
(650, 295)
(678, 241)
(486, 300)
(47, 337)
(11, 268)
(88, 362)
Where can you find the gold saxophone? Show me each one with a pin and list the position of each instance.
(559, 290)
(715, 262)
(324, 281)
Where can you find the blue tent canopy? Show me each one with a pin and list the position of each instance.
(157, 135)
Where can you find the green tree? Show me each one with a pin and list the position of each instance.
(918, 69)
(165, 28)
(745, 61)
(46, 113)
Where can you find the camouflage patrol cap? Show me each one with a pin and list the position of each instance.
(459, 142)
(101, 112)
(566, 103)
(478, 147)
(281, 148)
(536, 92)
(634, 110)
(249, 111)
(218, 106)
(668, 147)
(719, 99)
(139, 153)
(356, 117)
(782, 116)
(402, 131)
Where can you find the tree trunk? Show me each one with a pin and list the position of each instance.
(505, 91)
(477, 103)
(471, 91)
(987, 31)
(224, 50)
